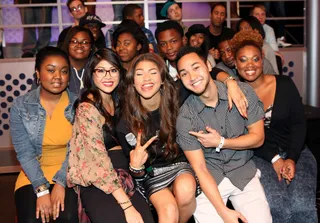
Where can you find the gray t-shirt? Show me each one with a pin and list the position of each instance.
(237, 165)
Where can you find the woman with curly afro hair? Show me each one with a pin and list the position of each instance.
(289, 170)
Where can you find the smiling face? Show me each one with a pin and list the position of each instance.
(147, 80)
(226, 53)
(170, 42)
(218, 16)
(194, 73)
(127, 47)
(53, 74)
(174, 12)
(249, 63)
(259, 14)
(106, 77)
(196, 40)
(80, 46)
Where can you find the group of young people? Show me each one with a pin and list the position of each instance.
(122, 134)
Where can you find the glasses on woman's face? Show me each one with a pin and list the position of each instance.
(101, 72)
(78, 8)
(75, 42)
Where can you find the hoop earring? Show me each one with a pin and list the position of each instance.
(38, 81)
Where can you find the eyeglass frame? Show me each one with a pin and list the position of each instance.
(106, 72)
(76, 43)
(77, 8)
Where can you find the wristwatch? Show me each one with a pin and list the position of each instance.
(41, 188)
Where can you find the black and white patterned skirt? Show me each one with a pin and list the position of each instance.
(158, 178)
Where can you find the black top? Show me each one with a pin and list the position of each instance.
(215, 40)
(156, 149)
(287, 129)
(109, 134)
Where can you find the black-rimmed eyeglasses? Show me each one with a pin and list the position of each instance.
(101, 72)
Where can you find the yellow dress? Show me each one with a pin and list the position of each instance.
(57, 133)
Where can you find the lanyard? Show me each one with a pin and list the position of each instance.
(79, 77)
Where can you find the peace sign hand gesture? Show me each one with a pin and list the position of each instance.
(139, 155)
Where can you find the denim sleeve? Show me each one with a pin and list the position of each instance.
(61, 176)
(26, 152)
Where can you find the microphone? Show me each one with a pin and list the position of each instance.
(131, 139)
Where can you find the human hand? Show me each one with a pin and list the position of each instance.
(210, 139)
(139, 155)
(44, 208)
(231, 216)
(236, 95)
(132, 215)
(288, 170)
(277, 166)
(57, 200)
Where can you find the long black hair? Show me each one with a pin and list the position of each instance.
(90, 89)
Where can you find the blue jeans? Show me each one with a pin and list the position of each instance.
(296, 202)
(36, 15)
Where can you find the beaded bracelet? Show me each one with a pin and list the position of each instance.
(136, 170)
(125, 202)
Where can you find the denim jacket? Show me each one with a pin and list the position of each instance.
(27, 123)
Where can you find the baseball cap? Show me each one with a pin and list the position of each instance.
(91, 18)
(196, 28)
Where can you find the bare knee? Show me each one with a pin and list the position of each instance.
(168, 213)
(184, 190)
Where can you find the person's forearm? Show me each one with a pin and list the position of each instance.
(222, 76)
(121, 197)
(248, 141)
(210, 188)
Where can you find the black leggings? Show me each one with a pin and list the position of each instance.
(26, 201)
(101, 207)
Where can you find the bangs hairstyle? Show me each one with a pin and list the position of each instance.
(72, 32)
(49, 51)
(131, 27)
(139, 118)
(90, 89)
(167, 25)
(246, 38)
